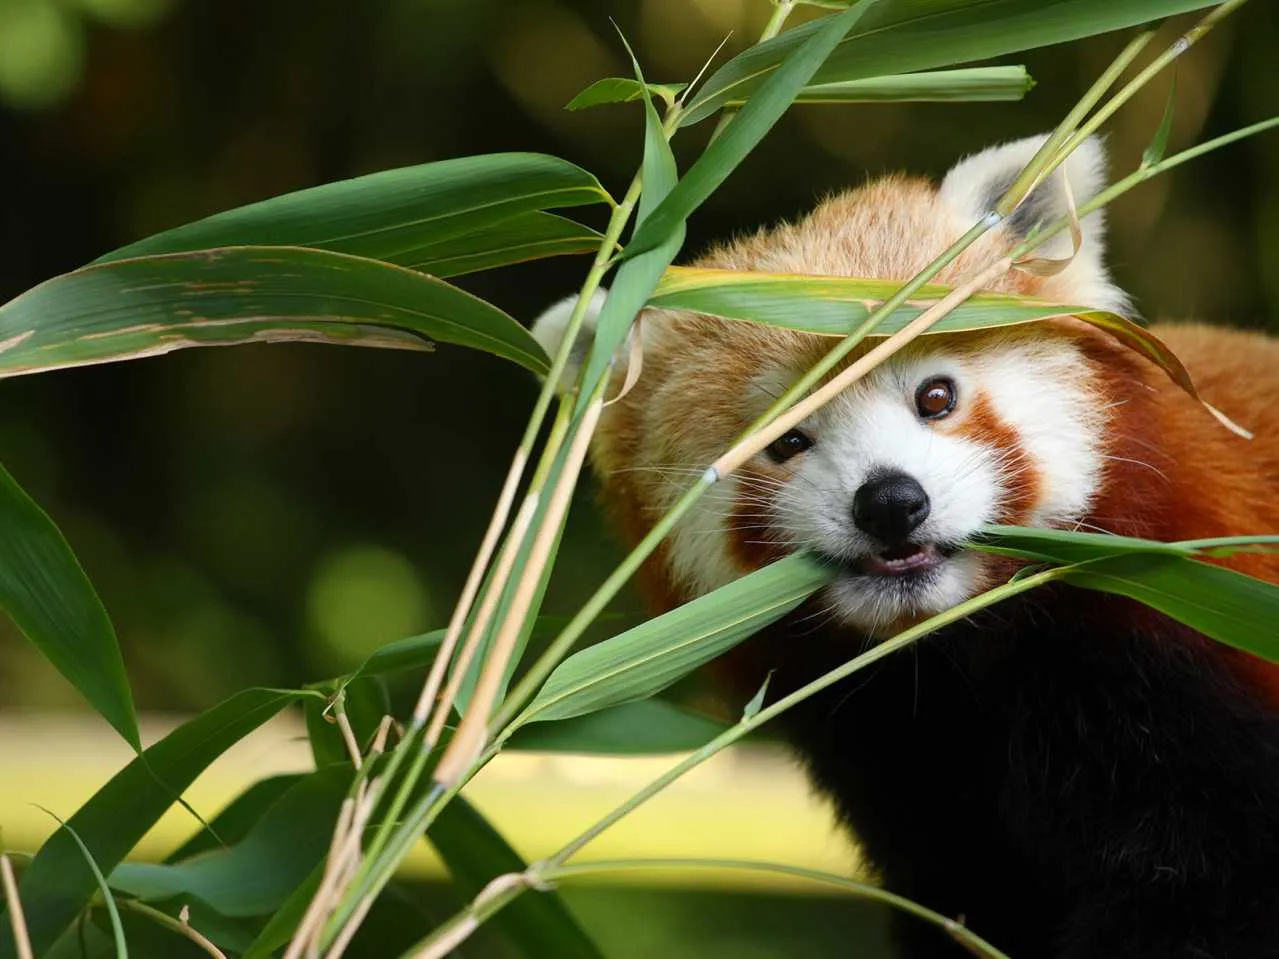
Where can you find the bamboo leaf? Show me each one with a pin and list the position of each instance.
(762, 110)
(256, 875)
(1159, 144)
(1226, 605)
(834, 306)
(415, 652)
(905, 36)
(756, 703)
(638, 276)
(971, 85)
(49, 598)
(58, 885)
(645, 660)
(541, 926)
(1077, 546)
(150, 306)
(108, 900)
(641, 728)
(529, 236)
(234, 822)
(1230, 607)
(622, 90)
(391, 215)
(280, 928)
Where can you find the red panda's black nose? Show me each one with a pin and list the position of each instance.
(890, 507)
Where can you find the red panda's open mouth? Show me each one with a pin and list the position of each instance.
(901, 560)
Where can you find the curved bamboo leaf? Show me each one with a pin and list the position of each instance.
(622, 90)
(529, 236)
(645, 660)
(234, 822)
(975, 84)
(58, 885)
(904, 36)
(637, 277)
(150, 306)
(108, 900)
(540, 926)
(390, 215)
(835, 305)
(257, 874)
(44, 590)
(642, 728)
(1229, 606)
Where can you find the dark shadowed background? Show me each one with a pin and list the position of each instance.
(266, 515)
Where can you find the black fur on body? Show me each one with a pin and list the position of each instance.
(1076, 777)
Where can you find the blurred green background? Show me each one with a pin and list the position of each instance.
(269, 514)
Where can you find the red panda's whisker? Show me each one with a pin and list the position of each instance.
(1136, 462)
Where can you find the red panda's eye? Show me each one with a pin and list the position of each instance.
(935, 398)
(788, 445)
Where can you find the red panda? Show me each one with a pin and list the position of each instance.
(1072, 773)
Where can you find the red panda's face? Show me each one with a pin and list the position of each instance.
(890, 480)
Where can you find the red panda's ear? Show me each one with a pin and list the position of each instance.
(973, 187)
(550, 327)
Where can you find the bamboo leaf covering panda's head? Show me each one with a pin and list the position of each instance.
(891, 479)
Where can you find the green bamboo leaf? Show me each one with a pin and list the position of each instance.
(642, 728)
(58, 885)
(108, 900)
(1230, 607)
(390, 215)
(284, 923)
(541, 927)
(1159, 144)
(905, 36)
(145, 307)
(638, 276)
(529, 236)
(834, 306)
(1077, 546)
(255, 876)
(48, 596)
(756, 703)
(622, 90)
(756, 118)
(645, 660)
(415, 652)
(971, 85)
(234, 822)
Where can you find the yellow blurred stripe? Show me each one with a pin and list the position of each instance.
(747, 803)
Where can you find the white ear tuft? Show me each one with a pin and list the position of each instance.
(975, 184)
(550, 327)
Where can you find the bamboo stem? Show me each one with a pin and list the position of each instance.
(180, 926)
(17, 919)
(472, 734)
